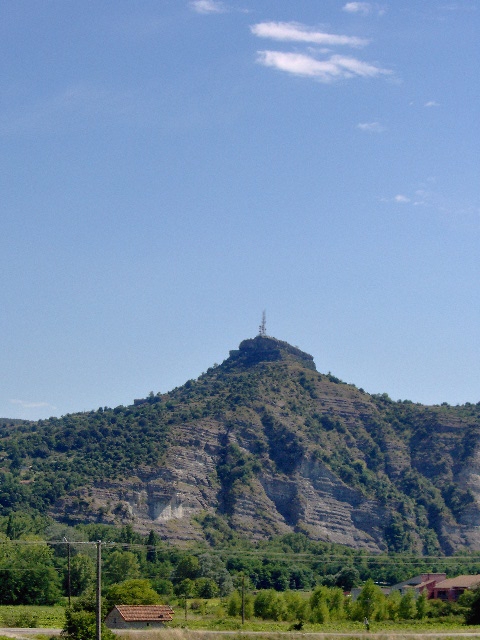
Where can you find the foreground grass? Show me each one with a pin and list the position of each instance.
(32, 616)
(434, 625)
(197, 627)
(395, 634)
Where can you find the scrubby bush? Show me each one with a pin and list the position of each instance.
(81, 625)
(269, 605)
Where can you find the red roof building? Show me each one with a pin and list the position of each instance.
(452, 588)
(139, 616)
(424, 582)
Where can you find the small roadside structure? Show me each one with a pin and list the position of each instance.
(139, 616)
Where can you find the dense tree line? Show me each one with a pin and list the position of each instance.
(34, 562)
(329, 604)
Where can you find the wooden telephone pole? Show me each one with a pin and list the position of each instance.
(69, 579)
(243, 598)
(98, 611)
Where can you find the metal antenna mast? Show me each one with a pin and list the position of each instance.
(262, 329)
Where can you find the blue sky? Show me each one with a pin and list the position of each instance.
(171, 169)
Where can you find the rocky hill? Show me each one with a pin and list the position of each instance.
(260, 445)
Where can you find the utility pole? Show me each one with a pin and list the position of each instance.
(186, 602)
(243, 598)
(69, 581)
(98, 617)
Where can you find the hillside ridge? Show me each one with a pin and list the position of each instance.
(260, 445)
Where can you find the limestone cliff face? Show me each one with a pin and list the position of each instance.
(470, 479)
(271, 446)
(312, 499)
(467, 531)
(163, 499)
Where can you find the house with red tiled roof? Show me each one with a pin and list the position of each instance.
(139, 616)
(452, 588)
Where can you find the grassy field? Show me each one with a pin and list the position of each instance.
(198, 627)
(344, 627)
(397, 634)
(32, 616)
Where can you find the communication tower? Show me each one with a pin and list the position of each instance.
(262, 329)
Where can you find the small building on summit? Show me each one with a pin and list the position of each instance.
(139, 616)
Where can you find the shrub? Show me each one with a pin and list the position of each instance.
(81, 625)
(269, 605)
(473, 614)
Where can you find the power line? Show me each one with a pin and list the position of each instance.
(258, 553)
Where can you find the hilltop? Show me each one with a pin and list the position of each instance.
(258, 446)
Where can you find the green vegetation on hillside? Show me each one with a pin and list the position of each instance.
(44, 460)
(274, 411)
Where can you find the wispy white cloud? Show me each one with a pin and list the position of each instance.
(428, 198)
(335, 68)
(315, 62)
(363, 8)
(296, 32)
(431, 103)
(26, 404)
(208, 6)
(371, 127)
(358, 7)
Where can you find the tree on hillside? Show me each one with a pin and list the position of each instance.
(82, 573)
(297, 606)
(185, 588)
(234, 605)
(393, 604)
(269, 605)
(206, 588)
(27, 575)
(422, 605)
(152, 542)
(214, 568)
(138, 591)
(188, 567)
(120, 566)
(319, 605)
(370, 603)
(347, 578)
(407, 609)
